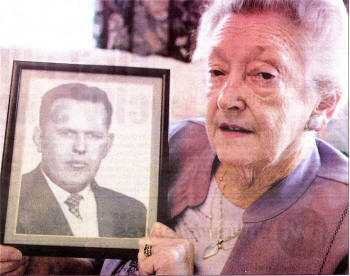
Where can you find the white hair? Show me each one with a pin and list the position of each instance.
(324, 23)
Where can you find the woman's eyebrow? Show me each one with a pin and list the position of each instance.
(216, 52)
(259, 51)
(266, 54)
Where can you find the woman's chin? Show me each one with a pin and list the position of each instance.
(247, 156)
(241, 161)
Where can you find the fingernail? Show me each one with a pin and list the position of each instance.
(16, 255)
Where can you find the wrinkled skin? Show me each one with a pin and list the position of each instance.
(171, 254)
(11, 261)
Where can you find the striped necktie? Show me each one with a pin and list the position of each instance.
(73, 204)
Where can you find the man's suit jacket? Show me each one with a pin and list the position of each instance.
(39, 212)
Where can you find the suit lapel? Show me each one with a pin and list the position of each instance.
(49, 212)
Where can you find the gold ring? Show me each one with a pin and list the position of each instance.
(147, 250)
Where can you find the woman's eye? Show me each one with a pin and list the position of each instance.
(266, 76)
(216, 73)
(263, 79)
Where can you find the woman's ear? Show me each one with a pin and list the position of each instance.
(323, 112)
(327, 105)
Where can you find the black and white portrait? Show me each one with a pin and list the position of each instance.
(84, 150)
(60, 196)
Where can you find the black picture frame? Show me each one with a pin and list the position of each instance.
(30, 80)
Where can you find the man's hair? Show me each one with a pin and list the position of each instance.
(74, 91)
(322, 22)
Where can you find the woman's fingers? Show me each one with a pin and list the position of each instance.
(168, 256)
(9, 266)
(142, 243)
(146, 263)
(146, 266)
(9, 254)
(162, 231)
(19, 270)
(11, 260)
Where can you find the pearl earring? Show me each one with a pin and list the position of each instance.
(315, 123)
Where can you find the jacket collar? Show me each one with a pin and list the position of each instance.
(193, 183)
(334, 164)
(194, 180)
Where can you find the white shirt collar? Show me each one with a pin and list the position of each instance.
(88, 225)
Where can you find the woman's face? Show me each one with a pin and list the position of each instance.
(258, 102)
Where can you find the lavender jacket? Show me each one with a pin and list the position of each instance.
(299, 226)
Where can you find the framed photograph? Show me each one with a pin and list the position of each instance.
(84, 157)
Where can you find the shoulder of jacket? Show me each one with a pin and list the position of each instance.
(188, 137)
(334, 164)
(118, 199)
(196, 124)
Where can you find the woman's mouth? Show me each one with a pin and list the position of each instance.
(234, 130)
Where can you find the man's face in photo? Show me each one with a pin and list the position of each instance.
(73, 142)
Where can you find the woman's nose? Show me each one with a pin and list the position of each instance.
(229, 99)
(79, 145)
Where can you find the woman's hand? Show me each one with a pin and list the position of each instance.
(11, 261)
(170, 254)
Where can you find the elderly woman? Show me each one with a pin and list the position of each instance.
(251, 191)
